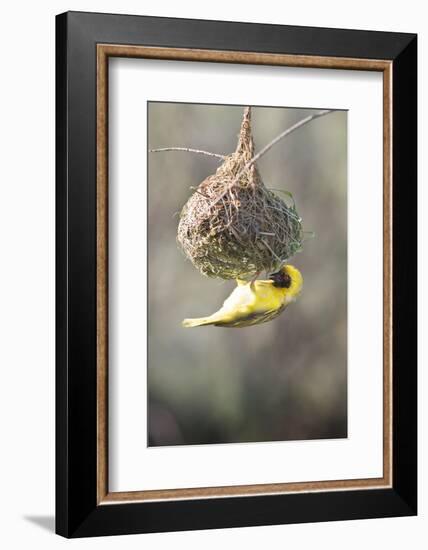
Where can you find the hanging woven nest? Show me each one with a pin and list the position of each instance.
(233, 226)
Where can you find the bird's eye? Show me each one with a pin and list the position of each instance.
(287, 280)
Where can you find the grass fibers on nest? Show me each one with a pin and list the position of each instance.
(233, 226)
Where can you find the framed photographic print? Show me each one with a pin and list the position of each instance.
(236, 274)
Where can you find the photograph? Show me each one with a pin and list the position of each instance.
(247, 229)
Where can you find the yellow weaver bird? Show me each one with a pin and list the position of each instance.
(255, 302)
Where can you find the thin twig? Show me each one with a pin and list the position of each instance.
(187, 150)
(271, 144)
(281, 136)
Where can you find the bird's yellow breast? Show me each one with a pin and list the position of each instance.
(252, 304)
(268, 297)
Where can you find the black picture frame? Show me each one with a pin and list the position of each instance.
(78, 513)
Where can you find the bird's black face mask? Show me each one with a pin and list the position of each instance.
(281, 279)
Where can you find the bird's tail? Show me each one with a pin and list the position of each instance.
(198, 322)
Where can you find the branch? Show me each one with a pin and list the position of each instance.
(271, 144)
(283, 135)
(186, 150)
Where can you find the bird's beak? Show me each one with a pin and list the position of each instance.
(276, 277)
(281, 278)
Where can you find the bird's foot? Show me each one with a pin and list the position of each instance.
(253, 280)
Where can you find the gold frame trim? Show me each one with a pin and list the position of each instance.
(104, 51)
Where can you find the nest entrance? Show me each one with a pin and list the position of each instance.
(233, 226)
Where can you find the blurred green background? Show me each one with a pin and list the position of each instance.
(284, 380)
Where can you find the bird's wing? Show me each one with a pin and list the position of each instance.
(247, 306)
(255, 318)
